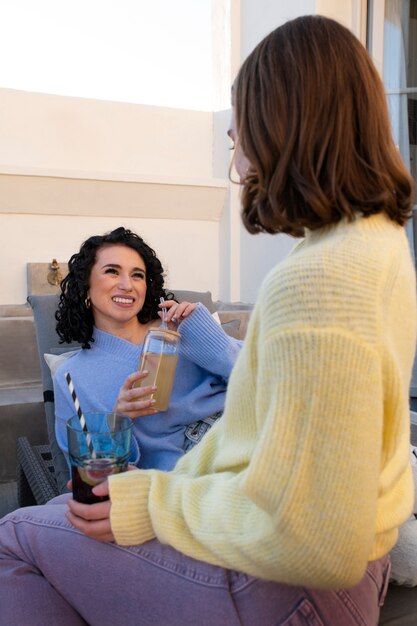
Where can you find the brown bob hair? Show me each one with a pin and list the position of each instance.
(312, 120)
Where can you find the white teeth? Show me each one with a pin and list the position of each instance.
(123, 300)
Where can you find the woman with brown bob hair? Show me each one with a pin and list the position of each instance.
(286, 511)
(314, 127)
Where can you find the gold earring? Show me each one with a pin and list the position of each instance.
(87, 302)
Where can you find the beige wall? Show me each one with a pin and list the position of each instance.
(72, 167)
(90, 136)
(188, 249)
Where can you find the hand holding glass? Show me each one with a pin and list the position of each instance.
(159, 356)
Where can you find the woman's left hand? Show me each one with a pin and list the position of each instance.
(176, 311)
(93, 519)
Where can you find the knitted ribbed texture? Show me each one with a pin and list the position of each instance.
(306, 476)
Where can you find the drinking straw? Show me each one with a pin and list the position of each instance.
(80, 414)
(164, 312)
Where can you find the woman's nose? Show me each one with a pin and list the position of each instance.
(125, 283)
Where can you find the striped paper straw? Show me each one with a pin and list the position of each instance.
(80, 414)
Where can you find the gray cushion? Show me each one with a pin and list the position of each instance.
(241, 316)
(195, 296)
(231, 328)
(44, 308)
(232, 306)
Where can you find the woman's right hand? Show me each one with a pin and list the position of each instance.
(135, 402)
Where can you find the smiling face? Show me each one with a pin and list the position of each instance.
(117, 288)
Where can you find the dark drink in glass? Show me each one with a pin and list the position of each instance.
(90, 473)
(97, 450)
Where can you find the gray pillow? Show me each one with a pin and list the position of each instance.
(195, 296)
(54, 360)
(232, 328)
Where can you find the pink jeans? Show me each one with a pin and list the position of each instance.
(52, 574)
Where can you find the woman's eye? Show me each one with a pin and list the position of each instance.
(139, 275)
(110, 270)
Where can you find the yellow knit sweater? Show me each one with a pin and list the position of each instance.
(306, 476)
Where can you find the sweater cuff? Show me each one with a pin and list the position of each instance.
(129, 517)
(204, 342)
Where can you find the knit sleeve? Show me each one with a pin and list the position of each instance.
(300, 506)
(204, 342)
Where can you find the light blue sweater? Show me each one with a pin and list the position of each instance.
(206, 357)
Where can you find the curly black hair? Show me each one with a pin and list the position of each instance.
(75, 320)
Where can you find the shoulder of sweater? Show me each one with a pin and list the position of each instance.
(336, 277)
(342, 254)
(106, 351)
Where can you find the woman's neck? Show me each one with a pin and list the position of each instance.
(133, 331)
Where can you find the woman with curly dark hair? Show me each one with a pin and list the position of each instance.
(109, 300)
(75, 316)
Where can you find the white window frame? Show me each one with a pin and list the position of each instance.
(375, 20)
